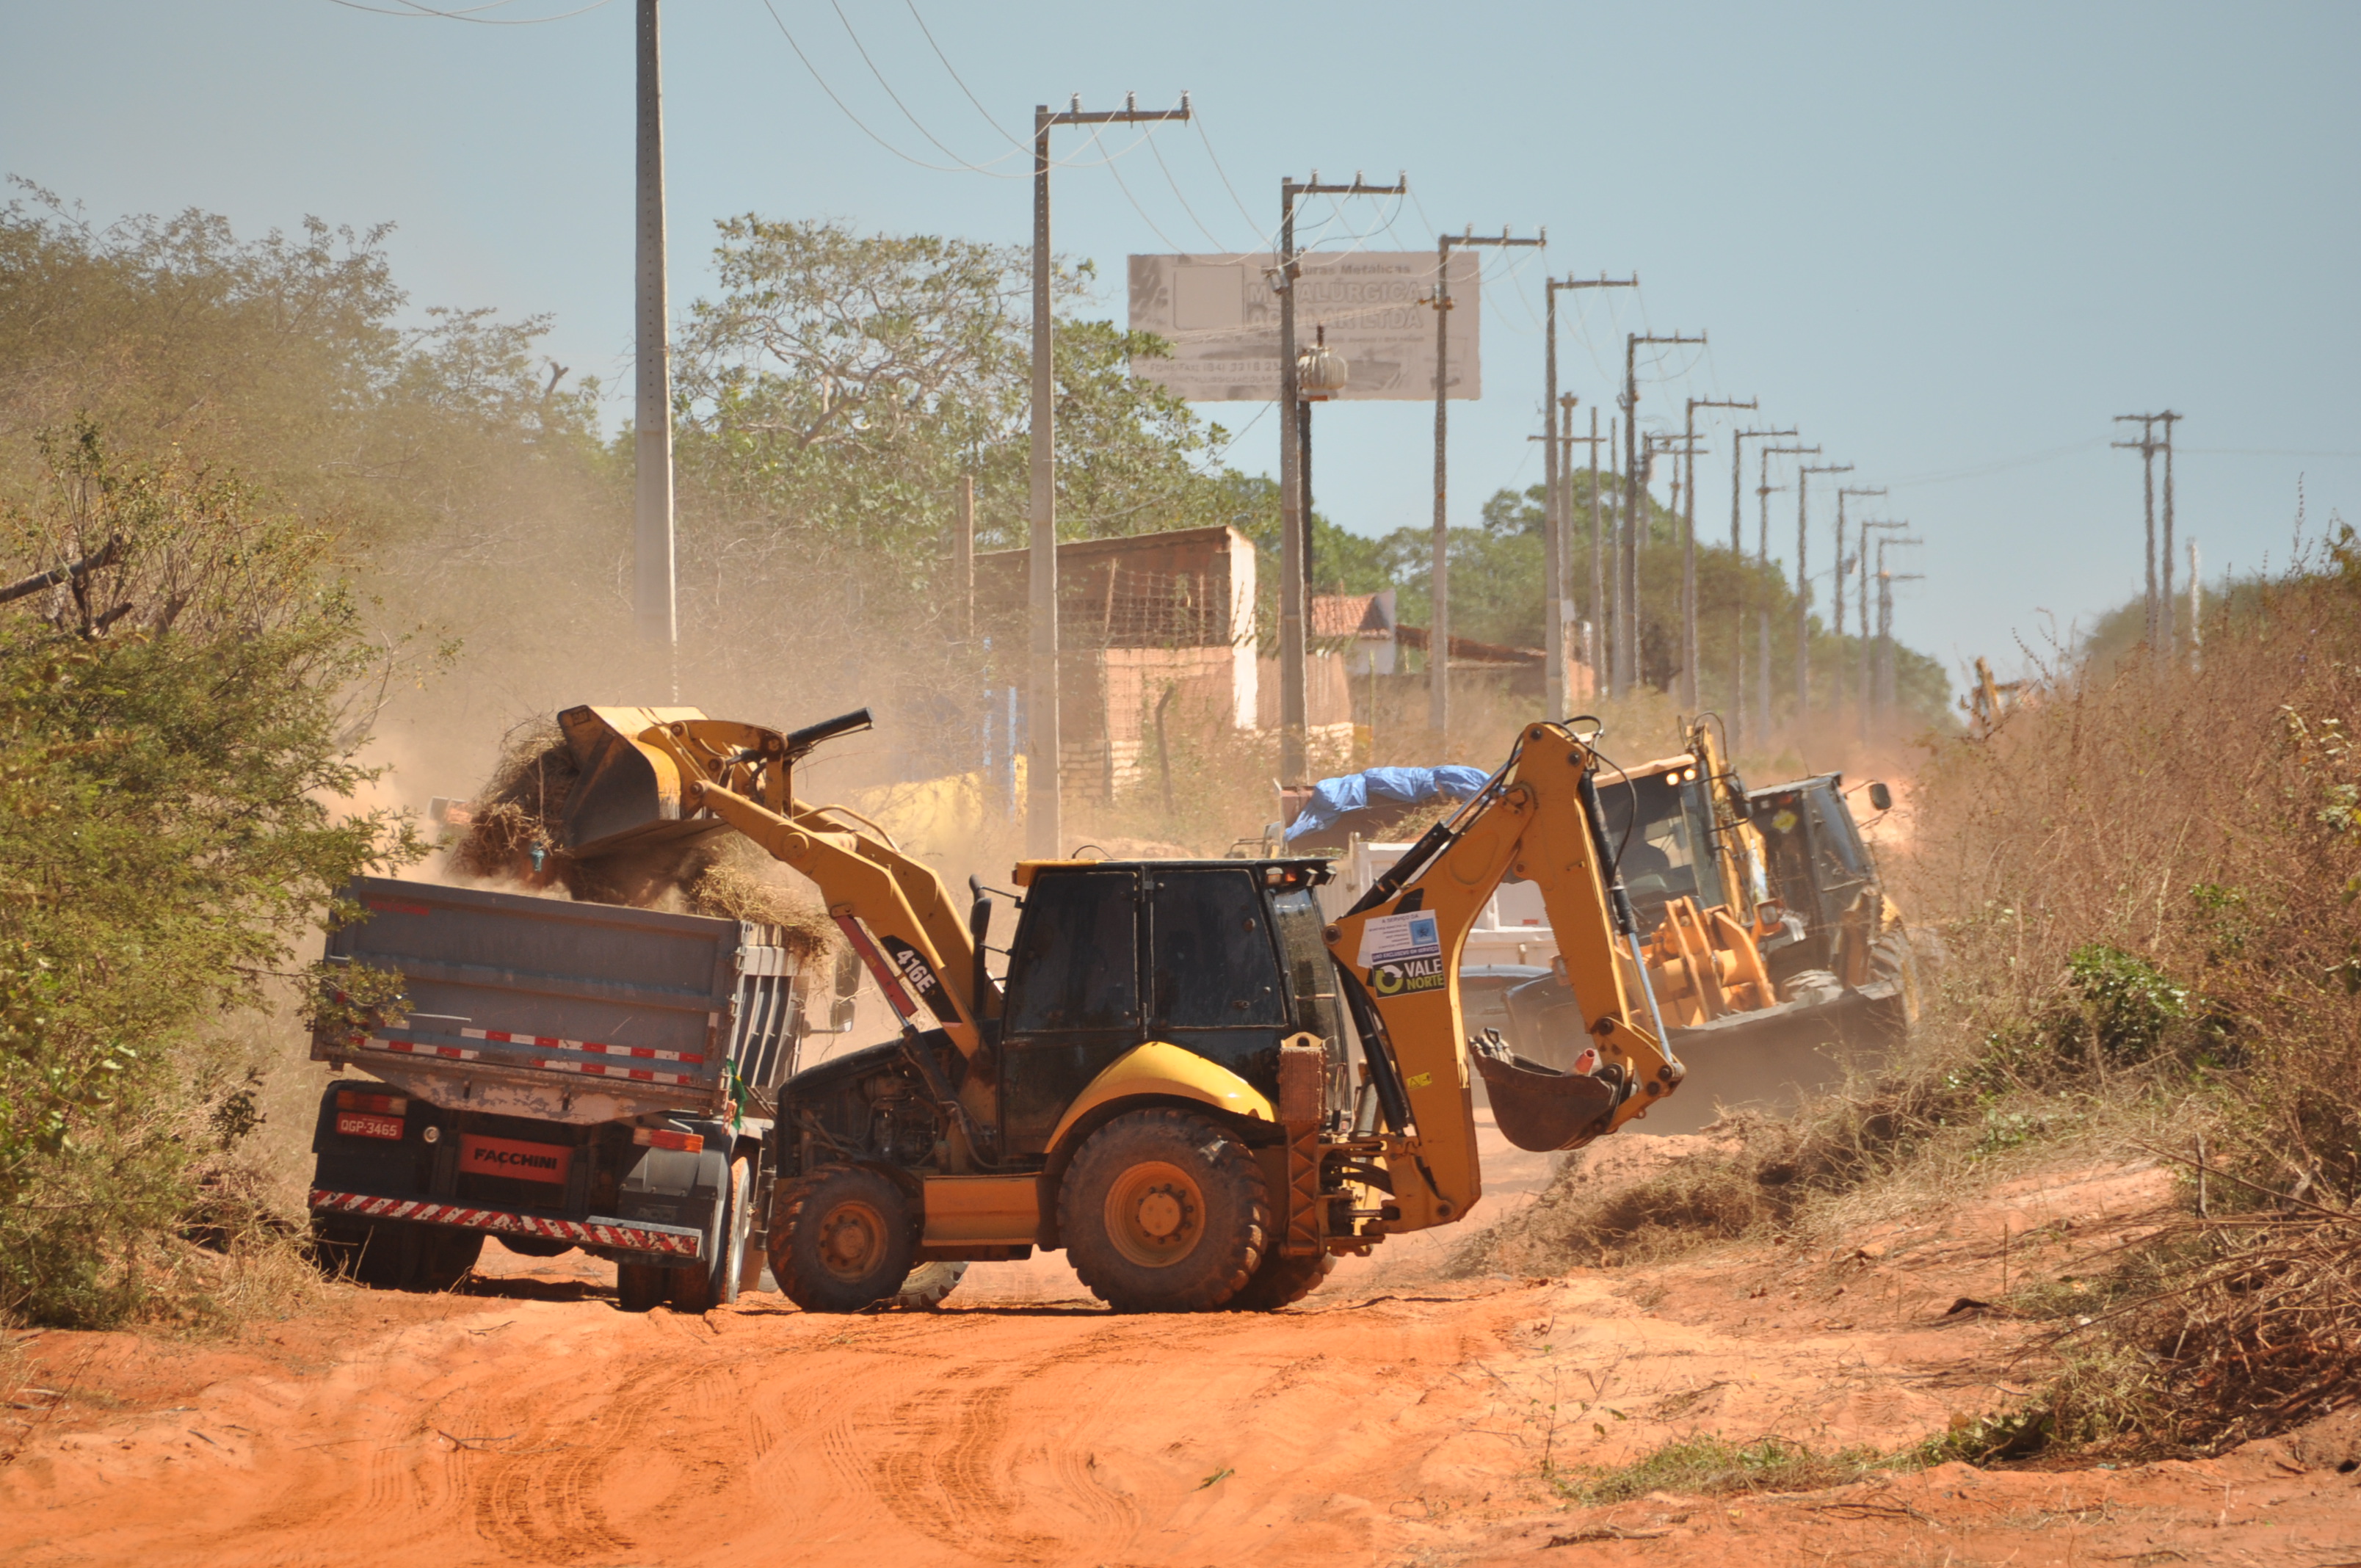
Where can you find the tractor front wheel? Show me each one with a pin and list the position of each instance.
(1164, 1210)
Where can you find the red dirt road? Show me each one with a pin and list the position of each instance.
(1385, 1421)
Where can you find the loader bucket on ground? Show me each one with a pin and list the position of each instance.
(629, 794)
(1539, 1108)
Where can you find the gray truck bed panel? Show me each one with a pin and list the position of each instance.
(575, 1011)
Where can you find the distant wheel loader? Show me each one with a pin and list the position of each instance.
(1187, 1078)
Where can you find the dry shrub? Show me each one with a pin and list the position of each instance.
(2146, 881)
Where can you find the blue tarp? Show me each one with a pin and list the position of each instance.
(1333, 799)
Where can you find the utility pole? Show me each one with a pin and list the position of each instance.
(1597, 616)
(1044, 831)
(1869, 698)
(1688, 547)
(964, 556)
(1763, 492)
(1737, 440)
(652, 538)
(1835, 588)
(1886, 695)
(1438, 652)
(1553, 526)
(2196, 606)
(1626, 659)
(1295, 473)
(2146, 447)
(2166, 606)
(1803, 472)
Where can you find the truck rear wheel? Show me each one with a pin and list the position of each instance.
(398, 1254)
(1164, 1211)
(713, 1282)
(641, 1286)
(1282, 1282)
(842, 1239)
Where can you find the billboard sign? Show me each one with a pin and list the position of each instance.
(1221, 316)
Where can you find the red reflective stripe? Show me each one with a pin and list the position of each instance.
(629, 1238)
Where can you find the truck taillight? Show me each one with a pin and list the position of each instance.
(382, 1105)
(658, 1139)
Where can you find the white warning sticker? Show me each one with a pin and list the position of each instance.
(1396, 938)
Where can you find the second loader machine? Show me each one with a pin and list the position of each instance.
(1187, 1077)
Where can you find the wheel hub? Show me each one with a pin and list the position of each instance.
(852, 1239)
(1155, 1214)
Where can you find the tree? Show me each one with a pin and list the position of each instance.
(178, 730)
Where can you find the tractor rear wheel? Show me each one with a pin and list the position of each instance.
(929, 1284)
(1164, 1210)
(842, 1239)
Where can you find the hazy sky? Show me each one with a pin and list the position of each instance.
(1948, 245)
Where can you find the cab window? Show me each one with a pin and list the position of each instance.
(1076, 956)
(1211, 962)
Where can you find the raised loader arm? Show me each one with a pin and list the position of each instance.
(648, 772)
(1399, 952)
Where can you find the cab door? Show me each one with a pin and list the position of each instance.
(1073, 997)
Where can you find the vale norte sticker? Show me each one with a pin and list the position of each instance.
(1403, 952)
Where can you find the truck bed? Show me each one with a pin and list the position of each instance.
(566, 1011)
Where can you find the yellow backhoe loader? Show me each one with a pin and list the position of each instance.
(1185, 1077)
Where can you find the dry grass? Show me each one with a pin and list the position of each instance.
(2146, 881)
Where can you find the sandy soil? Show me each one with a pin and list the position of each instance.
(1394, 1417)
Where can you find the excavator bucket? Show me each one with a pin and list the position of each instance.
(629, 794)
(1540, 1108)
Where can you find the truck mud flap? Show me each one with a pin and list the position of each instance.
(1540, 1108)
(624, 1235)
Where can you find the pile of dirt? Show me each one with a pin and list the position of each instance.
(514, 836)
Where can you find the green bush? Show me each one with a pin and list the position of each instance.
(176, 742)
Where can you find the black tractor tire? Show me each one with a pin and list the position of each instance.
(641, 1286)
(842, 1239)
(1164, 1210)
(1282, 1282)
(713, 1281)
(928, 1285)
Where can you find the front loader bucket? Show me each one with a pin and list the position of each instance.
(629, 794)
(1539, 1108)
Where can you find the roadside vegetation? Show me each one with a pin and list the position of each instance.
(2148, 880)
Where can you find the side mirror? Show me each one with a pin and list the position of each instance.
(1880, 796)
(839, 1016)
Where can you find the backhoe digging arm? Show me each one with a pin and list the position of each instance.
(1399, 953)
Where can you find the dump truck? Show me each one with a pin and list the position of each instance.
(552, 1075)
(1186, 1075)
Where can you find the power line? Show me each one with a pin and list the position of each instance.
(1230, 187)
(411, 10)
(862, 50)
(955, 76)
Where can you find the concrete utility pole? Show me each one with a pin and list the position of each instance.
(1295, 475)
(2146, 447)
(1737, 440)
(1596, 619)
(1044, 831)
(1688, 547)
(2196, 605)
(2167, 605)
(652, 541)
(964, 556)
(1868, 670)
(1803, 472)
(1438, 650)
(1635, 510)
(1886, 695)
(1553, 526)
(1763, 492)
(1837, 573)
